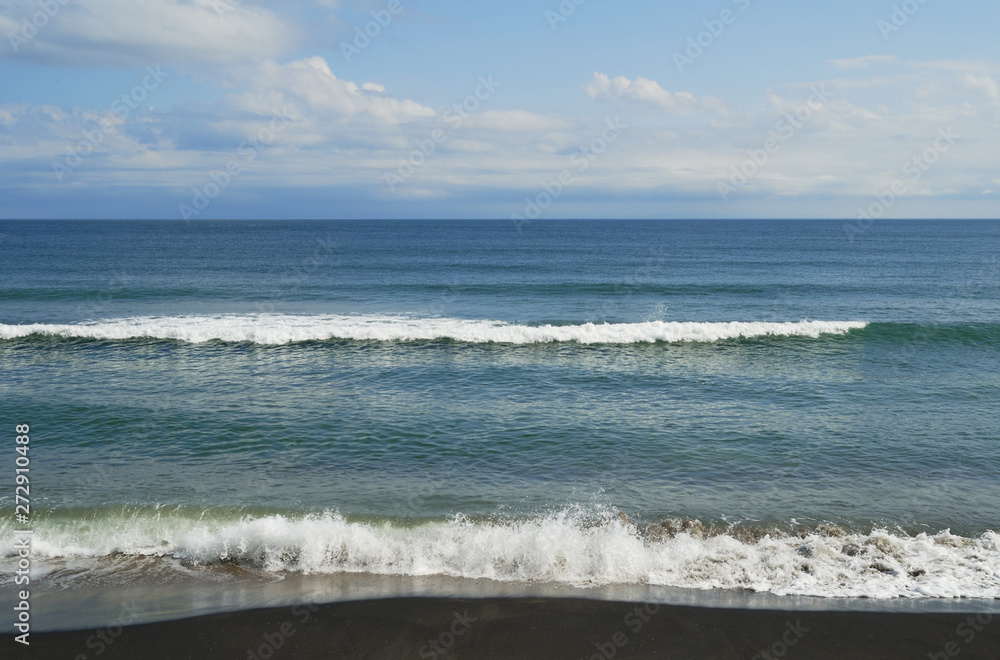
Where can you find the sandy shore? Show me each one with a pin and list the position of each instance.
(433, 628)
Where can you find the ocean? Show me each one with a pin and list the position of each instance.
(786, 408)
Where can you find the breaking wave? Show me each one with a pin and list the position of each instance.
(284, 329)
(570, 546)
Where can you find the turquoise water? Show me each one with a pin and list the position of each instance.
(460, 398)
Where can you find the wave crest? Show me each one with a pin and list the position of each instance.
(268, 329)
(570, 547)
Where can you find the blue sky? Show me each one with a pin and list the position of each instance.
(278, 110)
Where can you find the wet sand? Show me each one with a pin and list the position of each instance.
(575, 629)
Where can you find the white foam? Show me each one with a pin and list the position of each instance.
(566, 547)
(284, 329)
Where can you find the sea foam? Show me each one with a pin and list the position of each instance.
(274, 329)
(563, 547)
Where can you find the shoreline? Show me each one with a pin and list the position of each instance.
(155, 594)
(503, 628)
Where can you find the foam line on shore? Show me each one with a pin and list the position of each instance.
(570, 547)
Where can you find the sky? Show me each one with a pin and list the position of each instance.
(528, 110)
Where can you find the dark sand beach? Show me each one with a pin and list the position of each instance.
(528, 628)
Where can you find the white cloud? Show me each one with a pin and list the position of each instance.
(985, 83)
(309, 86)
(348, 133)
(330, 117)
(131, 32)
(516, 120)
(90, 144)
(864, 62)
(647, 92)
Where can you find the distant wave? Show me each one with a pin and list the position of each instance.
(564, 547)
(272, 329)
